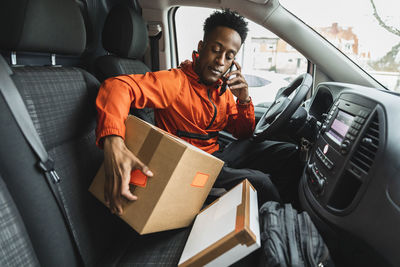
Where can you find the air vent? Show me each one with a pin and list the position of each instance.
(364, 155)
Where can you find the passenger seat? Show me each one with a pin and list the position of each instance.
(61, 103)
(125, 37)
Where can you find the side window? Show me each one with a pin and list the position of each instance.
(268, 62)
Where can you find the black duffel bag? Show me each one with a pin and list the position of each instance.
(289, 238)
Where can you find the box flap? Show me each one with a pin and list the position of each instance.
(140, 129)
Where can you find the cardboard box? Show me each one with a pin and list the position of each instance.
(226, 231)
(183, 177)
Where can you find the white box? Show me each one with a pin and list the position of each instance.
(225, 231)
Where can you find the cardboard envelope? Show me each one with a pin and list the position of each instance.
(226, 231)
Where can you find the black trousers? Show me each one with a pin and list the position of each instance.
(272, 167)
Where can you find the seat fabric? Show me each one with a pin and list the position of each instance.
(16, 248)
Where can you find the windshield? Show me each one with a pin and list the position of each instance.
(367, 31)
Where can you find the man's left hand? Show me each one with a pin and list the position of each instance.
(238, 84)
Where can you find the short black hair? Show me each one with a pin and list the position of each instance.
(226, 18)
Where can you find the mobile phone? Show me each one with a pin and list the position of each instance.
(224, 79)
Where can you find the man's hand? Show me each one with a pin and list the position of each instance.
(238, 84)
(119, 161)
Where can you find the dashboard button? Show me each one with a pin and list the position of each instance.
(321, 185)
(353, 131)
(345, 146)
(359, 120)
(316, 179)
(323, 128)
(330, 165)
(363, 114)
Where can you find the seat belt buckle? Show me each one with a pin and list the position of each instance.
(54, 176)
(48, 167)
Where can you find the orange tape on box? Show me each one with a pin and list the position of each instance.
(200, 179)
(138, 178)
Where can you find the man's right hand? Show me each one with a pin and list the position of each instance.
(119, 161)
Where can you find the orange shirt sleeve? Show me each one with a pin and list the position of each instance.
(118, 94)
(241, 118)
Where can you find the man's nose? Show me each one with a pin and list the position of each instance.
(220, 60)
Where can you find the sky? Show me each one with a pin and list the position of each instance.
(355, 13)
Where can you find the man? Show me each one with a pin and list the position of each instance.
(189, 102)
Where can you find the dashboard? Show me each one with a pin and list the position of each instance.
(352, 179)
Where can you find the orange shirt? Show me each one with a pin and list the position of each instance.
(183, 106)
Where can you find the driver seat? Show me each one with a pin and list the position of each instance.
(125, 37)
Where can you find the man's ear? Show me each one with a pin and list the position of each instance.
(200, 46)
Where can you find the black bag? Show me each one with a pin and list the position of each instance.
(289, 238)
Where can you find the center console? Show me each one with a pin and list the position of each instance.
(343, 154)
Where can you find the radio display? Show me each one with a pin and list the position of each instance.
(340, 126)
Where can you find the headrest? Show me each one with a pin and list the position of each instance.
(125, 33)
(49, 26)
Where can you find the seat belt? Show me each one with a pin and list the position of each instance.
(155, 33)
(46, 164)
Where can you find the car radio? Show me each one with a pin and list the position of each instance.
(345, 121)
(331, 176)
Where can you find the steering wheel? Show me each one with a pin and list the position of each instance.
(282, 109)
